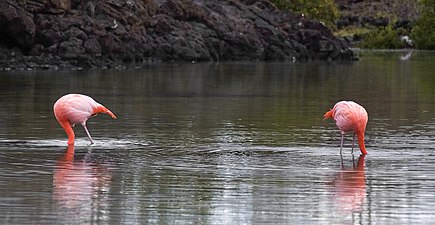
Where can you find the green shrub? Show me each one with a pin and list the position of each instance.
(382, 38)
(325, 11)
(423, 31)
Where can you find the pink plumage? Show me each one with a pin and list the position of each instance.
(74, 109)
(350, 116)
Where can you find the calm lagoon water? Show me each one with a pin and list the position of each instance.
(222, 143)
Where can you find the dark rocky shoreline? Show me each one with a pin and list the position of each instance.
(81, 34)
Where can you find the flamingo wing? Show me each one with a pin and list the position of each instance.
(343, 117)
(75, 108)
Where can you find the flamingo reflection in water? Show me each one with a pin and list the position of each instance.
(81, 188)
(349, 187)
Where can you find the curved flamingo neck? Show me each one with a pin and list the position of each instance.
(361, 144)
(69, 131)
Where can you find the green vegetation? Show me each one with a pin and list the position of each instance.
(323, 10)
(423, 32)
(352, 31)
(383, 38)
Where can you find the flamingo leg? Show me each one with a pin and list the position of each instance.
(89, 135)
(353, 143)
(342, 139)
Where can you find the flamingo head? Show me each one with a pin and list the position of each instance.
(328, 115)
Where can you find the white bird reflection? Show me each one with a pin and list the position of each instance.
(406, 56)
(81, 189)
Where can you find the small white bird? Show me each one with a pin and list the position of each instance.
(407, 41)
(115, 24)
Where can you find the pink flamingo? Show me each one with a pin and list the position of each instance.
(350, 116)
(72, 109)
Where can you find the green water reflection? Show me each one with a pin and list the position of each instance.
(277, 96)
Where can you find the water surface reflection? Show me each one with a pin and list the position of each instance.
(226, 143)
(349, 187)
(81, 189)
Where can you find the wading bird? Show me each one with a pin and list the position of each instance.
(72, 109)
(350, 116)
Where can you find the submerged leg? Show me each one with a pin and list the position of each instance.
(342, 139)
(353, 162)
(89, 135)
(341, 160)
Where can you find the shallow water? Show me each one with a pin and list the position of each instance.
(226, 143)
